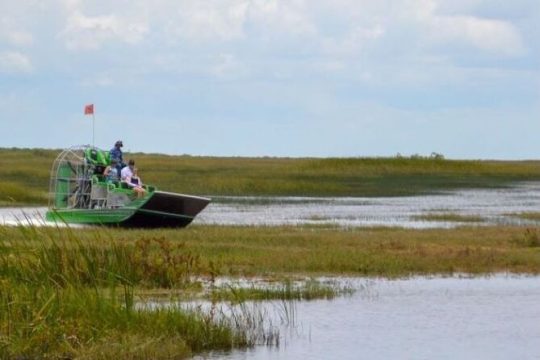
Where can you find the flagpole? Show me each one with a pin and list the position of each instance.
(93, 129)
(89, 110)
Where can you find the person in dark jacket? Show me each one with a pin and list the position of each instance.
(116, 154)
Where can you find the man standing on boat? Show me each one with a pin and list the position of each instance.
(116, 154)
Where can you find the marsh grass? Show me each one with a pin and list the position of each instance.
(60, 256)
(169, 258)
(73, 321)
(530, 215)
(63, 297)
(530, 238)
(71, 293)
(24, 176)
(49, 320)
(286, 290)
(449, 217)
(390, 252)
(14, 194)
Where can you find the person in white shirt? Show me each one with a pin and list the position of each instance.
(129, 176)
(127, 171)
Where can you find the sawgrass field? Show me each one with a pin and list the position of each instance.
(24, 176)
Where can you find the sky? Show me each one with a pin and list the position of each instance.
(281, 78)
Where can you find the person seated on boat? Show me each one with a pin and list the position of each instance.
(127, 171)
(135, 180)
(136, 184)
(111, 172)
(129, 176)
(116, 153)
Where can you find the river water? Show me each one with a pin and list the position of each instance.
(492, 206)
(494, 317)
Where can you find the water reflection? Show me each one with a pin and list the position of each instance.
(419, 318)
(491, 206)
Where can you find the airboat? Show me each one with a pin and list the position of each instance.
(80, 194)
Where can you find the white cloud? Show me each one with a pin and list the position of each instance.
(71, 5)
(227, 66)
(17, 38)
(353, 41)
(230, 20)
(485, 34)
(282, 16)
(452, 24)
(13, 33)
(101, 80)
(91, 32)
(20, 38)
(329, 66)
(209, 20)
(13, 62)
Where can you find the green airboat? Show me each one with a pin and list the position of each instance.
(80, 194)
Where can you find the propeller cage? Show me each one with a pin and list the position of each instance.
(71, 177)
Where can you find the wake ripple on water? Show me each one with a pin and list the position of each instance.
(34, 216)
(491, 206)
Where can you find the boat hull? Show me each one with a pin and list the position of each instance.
(161, 209)
(166, 209)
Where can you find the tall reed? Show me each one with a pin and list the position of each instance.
(62, 297)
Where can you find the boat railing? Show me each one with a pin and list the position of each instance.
(77, 181)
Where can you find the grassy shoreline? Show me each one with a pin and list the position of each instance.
(449, 217)
(70, 292)
(213, 250)
(24, 178)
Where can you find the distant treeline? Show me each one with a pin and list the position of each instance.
(24, 175)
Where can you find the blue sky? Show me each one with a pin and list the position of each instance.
(274, 77)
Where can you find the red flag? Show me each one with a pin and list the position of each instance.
(89, 109)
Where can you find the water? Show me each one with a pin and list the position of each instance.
(418, 318)
(24, 215)
(493, 206)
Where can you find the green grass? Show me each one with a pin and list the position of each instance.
(531, 215)
(373, 252)
(287, 290)
(65, 296)
(24, 175)
(48, 321)
(449, 217)
(169, 258)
